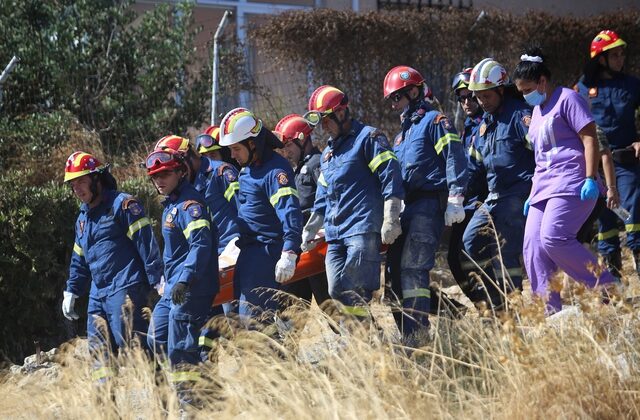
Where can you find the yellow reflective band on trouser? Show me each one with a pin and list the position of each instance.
(416, 293)
(475, 154)
(444, 140)
(101, 373)
(136, 226)
(360, 311)
(195, 225)
(380, 159)
(78, 250)
(231, 190)
(527, 142)
(184, 376)
(205, 341)
(282, 192)
(603, 236)
(632, 227)
(516, 271)
(322, 181)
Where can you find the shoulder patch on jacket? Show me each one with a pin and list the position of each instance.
(282, 178)
(194, 208)
(442, 119)
(132, 205)
(526, 120)
(228, 172)
(380, 138)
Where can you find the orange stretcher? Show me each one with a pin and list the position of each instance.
(310, 263)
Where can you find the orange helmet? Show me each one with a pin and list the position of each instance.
(400, 77)
(292, 127)
(164, 160)
(208, 140)
(605, 40)
(80, 164)
(175, 143)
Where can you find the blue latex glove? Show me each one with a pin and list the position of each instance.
(525, 208)
(589, 190)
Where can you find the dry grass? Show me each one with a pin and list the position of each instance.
(518, 365)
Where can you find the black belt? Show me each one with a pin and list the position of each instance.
(625, 157)
(414, 196)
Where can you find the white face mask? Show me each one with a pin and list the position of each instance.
(534, 97)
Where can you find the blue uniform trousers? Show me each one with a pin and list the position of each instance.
(499, 262)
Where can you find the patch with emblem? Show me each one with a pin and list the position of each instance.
(81, 227)
(404, 75)
(195, 211)
(168, 222)
(446, 124)
(526, 120)
(282, 178)
(134, 208)
(483, 129)
(593, 92)
(174, 211)
(229, 174)
(381, 139)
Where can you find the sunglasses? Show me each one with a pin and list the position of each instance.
(313, 118)
(463, 98)
(159, 157)
(397, 97)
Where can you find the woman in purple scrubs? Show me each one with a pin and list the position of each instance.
(565, 185)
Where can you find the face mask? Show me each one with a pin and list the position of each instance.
(534, 97)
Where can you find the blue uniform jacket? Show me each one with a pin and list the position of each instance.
(431, 153)
(357, 173)
(114, 247)
(190, 242)
(269, 209)
(217, 181)
(477, 185)
(505, 153)
(613, 105)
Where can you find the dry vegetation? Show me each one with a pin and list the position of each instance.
(517, 365)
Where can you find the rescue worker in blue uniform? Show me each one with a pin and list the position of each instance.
(506, 156)
(358, 200)
(434, 171)
(304, 157)
(216, 180)
(190, 270)
(115, 255)
(614, 98)
(476, 191)
(269, 215)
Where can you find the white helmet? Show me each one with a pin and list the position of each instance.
(488, 74)
(239, 124)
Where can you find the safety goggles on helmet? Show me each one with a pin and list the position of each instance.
(158, 158)
(206, 143)
(314, 118)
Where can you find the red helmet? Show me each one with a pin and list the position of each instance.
(80, 164)
(293, 127)
(605, 40)
(175, 143)
(400, 77)
(164, 160)
(209, 140)
(461, 80)
(327, 99)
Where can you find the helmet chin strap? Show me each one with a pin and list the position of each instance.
(93, 187)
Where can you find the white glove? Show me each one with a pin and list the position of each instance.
(285, 267)
(391, 221)
(454, 212)
(310, 231)
(67, 306)
(160, 286)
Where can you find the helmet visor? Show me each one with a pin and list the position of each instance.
(206, 143)
(313, 118)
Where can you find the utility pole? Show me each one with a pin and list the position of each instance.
(216, 59)
(5, 74)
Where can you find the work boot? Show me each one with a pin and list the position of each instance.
(614, 263)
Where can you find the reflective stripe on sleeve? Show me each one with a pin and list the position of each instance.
(231, 190)
(282, 192)
(416, 293)
(322, 181)
(78, 250)
(196, 224)
(380, 159)
(444, 140)
(137, 225)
